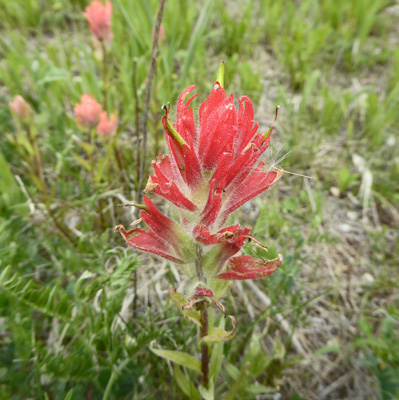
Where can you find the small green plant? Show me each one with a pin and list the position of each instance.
(381, 351)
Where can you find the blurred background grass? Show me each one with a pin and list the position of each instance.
(325, 326)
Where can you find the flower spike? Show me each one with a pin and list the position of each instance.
(211, 170)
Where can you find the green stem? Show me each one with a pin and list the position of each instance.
(93, 183)
(111, 382)
(198, 264)
(204, 347)
(36, 366)
(37, 160)
(90, 156)
(113, 378)
(104, 75)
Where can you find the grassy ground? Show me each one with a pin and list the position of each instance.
(325, 326)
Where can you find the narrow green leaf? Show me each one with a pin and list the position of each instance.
(178, 357)
(207, 393)
(279, 349)
(81, 161)
(87, 147)
(101, 167)
(330, 348)
(232, 393)
(186, 385)
(69, 395)
(23, 141)
(81, 284)
(216, 356)
(130, 23)
(233, 371)
(196, 37)
(255, 390)
(5, 274)
(256, 357)
(220, 335)
(9, 189)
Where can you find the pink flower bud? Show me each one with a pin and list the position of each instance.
(21, 109)
(99, 17)
(107, 127)
(88, 112)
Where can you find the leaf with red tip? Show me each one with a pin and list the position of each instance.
(167, 230)
(248, 267)
(147, 241)
(233, 234)
(214, 260)
(256, 183)
(212, 206)
(169, 191)
(247, 127)
(159, 223)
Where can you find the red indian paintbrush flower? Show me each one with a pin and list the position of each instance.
(212, 169)
(99, 17)
(87, 112)
(107, 126)
(21, 109)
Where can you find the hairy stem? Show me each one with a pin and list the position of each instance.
(204, 347)
(90, 157)
(198, 263)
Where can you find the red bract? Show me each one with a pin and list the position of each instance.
(211, 170)
(247, 267)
